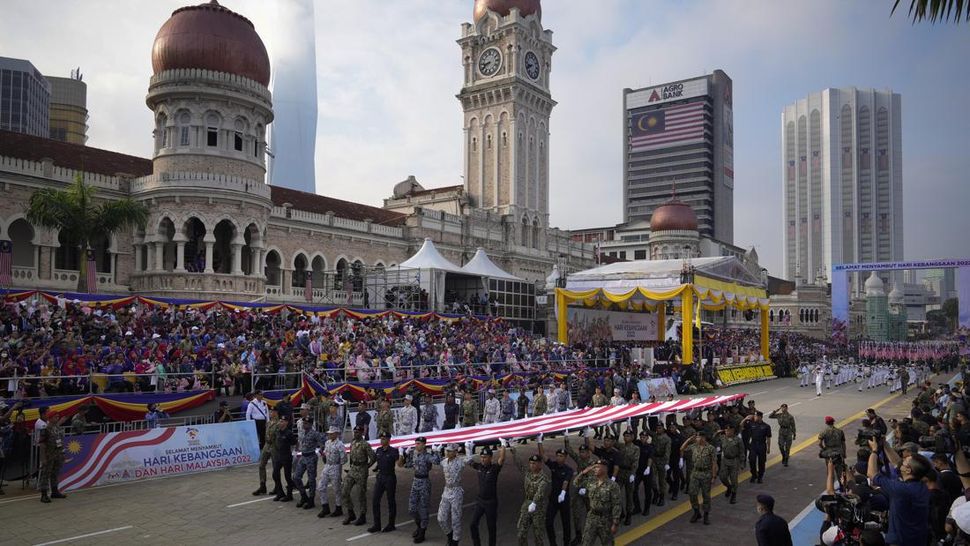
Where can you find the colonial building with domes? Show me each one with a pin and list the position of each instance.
(219, 230)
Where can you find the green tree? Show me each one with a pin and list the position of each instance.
(73, 211)
(956, 11)
(951, 310)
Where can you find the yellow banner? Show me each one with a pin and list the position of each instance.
(745, 374)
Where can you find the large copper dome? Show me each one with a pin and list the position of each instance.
(211, 37)
(502, 7)
(673, 215)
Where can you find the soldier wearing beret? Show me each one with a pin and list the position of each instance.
(386, 483)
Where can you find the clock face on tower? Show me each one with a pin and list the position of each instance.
(489, 62)
(532, 65)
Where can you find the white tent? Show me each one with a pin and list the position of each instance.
(428, 257)
(427, 271)
(481, 264)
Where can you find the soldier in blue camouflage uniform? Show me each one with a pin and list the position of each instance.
(429, 416)
(362, 456)
(307, 450)
(419, 500)
(508, 407)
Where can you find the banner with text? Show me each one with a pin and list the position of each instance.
(591, 325)
(99, 459)
(745, 374)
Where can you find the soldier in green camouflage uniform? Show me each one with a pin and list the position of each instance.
(321, 411)
(661, 462)
(267, 452)
(385, 419)
(831, 441)
(603, 518)
(469, 411)
(532, 515)
(704, 468)
(786, 431)
(52, 444)
(599, 400)
(732, 450)
(362, 456)
(578, 498)
(539, 402)
(629, 458)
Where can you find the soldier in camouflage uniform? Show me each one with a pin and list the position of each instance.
(786, 431)
(429, 416)
(267, 452)
(308, 448)
(578, 498)
(532, 514)
(831, 441)
(334, 457)
(419, 499)
(603, 518)
(361, 457)
(661, 461)
(731, 453)
(599, 400)
(321, 411)
(469, 411)
(385, 419)
(407, 418)
(629, 457)
(540, 404)
(52, 444)
(704, 469)
(450, 507)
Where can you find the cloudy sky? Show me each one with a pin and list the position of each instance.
(388, 72)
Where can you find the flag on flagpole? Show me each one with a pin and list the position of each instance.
(6, 262)
(92, 273)
(308, 286)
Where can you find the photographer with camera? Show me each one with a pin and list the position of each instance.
(831, 442)
(909, 498)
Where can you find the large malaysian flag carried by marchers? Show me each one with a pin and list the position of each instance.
(557, 422)
(680, 124)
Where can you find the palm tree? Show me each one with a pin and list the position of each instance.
(933, 10)
(73, 211)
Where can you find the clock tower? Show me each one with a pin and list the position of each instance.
(507, 58)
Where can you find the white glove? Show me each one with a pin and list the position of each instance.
(532, 507)
(297, 454)
(539, 438)
(718, 450)
(613, 478)
(562, 497)
(506, 442)
(666, 467)
(631, 478)
(646, 471)
(582, 491)
(681, 463)
(317, 451)
(589, 432)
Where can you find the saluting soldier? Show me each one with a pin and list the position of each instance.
(558, 503)
(52, 444)
(266, 453)
(629, 458)
(603, 518)
(362, 456)
(387, 457)
(786, 431)
(334, 457)
(308, 449)
(419, 499)
(731, 452)
(385, 419)
(532, 514)
(579, 500)
(702, 474)
(469, 411)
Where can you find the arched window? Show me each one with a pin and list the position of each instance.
(225, 233)
(272, 270)
(212, 130)
(524, 240)
(161, 132)
(342, 274)
(184, 120)
(21, 235)
(68, 254)
(299, 271)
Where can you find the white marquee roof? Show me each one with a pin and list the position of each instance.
(428, 257)
(481, 264)
(659, 274)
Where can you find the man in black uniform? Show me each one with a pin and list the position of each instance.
(609, 453)
(362, 419)
(759, 445)
(561, 476)
(677, 480)
(643, 473)
(487, 502)
(283, 460)
(387, 457)
(451, 411)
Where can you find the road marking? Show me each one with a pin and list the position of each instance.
(435, 516)
(675, 512)
(794, 404)
(759, 393)
(249, 502)
(18, 499)
(85, 536)
(801, 515)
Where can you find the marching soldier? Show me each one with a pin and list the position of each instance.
(266, 453)
(603, 518)
(334, 457)
(487, 502)
(469, 411)
(644, 469)
(387, 457)
(629, 458)
(362, 456)
(832, 443)
(558, 500)
(419, 499)
(306, 462)
(661, 461)
(579, 500)
(283, 460)
(449, 509)
(493, 408)
(731, 453)
(385, 419)
(52, 445)
(759, 445)
(702, 474)
(786, 431)
(540, 404)
(407, 418)
(429, 416)
(532, 514)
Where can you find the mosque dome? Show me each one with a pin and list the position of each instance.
(874, 285)
(504, 7)
(211, 37)
(673, 215)
(896, 296)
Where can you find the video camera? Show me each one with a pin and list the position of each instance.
(851, 514)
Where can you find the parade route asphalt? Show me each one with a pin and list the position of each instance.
(218, 508)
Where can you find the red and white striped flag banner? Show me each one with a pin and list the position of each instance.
(6, 262)
(308, 286)
(92, 273)
(558, 422)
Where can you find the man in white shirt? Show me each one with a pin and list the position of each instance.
(258, 411)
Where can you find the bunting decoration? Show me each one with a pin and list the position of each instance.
(120, 407)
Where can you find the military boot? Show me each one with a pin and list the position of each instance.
(44, 498)
(324, 511)
(734, 496)
(261, 490)
(350, 517)
(696, 517)
(419, 538)
(707, 518)
(289, 495)
(626, 520)
(309, 504)
(303, 500)
(376, 528)
(337, 513)
(56, 493)
(417, 529)
(389, 527)
(361, 519)
(451, 541)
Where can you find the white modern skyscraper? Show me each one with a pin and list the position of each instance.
(293, 134)
(843, 181)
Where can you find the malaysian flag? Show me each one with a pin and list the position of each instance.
(308, 286)
(6, 262)
(680, 124)
(802, 166)
(883, 160)
(92, 273)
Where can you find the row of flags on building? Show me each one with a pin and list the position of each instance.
(900, 350)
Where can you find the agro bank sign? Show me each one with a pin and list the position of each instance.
(590, 325)
(100, 459)
(667, 93)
